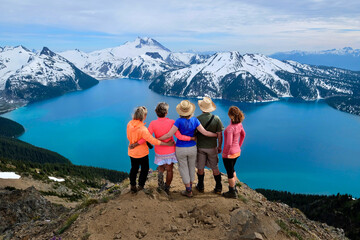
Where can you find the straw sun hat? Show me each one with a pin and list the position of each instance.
(207, 105)
(185, 108)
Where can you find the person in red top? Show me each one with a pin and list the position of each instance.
(234, 136)
(164, 155)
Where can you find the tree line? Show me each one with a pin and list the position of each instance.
(339, 210)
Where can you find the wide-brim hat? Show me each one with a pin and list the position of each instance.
(185, 108)
(207, 105)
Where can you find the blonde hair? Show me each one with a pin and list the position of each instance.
(140, 113)
(236, 115)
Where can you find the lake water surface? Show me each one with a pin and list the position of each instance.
(305, 147)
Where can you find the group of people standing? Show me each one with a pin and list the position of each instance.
(199, 141)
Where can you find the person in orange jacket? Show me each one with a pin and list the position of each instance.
(139, 156)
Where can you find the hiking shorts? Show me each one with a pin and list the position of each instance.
(207, 157)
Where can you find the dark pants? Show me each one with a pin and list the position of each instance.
(135, 164)
(229, 164)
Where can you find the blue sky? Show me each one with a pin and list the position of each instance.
(248, 26)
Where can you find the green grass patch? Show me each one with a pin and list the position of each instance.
(104, 200)
(242, 198)
(85, 236)
(88, 202)
(68, 223)
(282, 225)
(295, 234)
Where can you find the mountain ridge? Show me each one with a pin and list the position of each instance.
(347, 57)
(26, 76)
(256, 77)
(223, 75)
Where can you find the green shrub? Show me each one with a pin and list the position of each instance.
(68, 223)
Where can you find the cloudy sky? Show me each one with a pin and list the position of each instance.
(253, 26)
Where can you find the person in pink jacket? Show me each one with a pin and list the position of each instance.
(234, 136)
(164, 155)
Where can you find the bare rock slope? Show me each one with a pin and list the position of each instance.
(154, 215)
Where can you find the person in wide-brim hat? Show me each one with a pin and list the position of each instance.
(186, 151)
(185, 108)
(207, 105)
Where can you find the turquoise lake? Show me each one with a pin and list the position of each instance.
(304, 147)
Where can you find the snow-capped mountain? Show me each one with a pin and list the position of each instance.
(255, 77)
(346, 57)
(26, 76)
(144, 58)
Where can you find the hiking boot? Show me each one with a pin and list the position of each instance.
(218, 185)
(217, 191)
(186, 193)
(230, 194)
(200, 189)
(133, 189)
(167, 189)
(159, 189)
(146, 191)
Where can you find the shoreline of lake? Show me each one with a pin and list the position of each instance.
(107, 108)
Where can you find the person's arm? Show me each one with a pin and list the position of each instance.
(205, 133)
(219, 140)
(171, 132)
(242, 137)
(142, 140)
(149, 138)
(181, 137)
(228, 135)
(134, 145)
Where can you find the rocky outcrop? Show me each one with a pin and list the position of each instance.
(25, 209)
(153, 215)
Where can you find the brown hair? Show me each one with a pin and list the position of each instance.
(140, 113)
(186, 117)
(236, 115)
(162, 109)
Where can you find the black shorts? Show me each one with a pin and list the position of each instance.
(229, 164)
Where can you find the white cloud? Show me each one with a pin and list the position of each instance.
(224, 24)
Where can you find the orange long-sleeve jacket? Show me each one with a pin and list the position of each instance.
(135, 131)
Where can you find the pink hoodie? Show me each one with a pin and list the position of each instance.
(234, 136)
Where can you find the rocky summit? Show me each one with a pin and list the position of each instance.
(152, 215)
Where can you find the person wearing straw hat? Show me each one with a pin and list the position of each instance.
(165, 156)
(209, 148)
(186, 151)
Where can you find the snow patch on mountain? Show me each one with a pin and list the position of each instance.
(26, 76)
(255, 77)
(149, 58)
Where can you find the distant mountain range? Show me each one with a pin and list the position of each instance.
(27, 76)
(144, 58)
(255, 77)
(347, 57)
